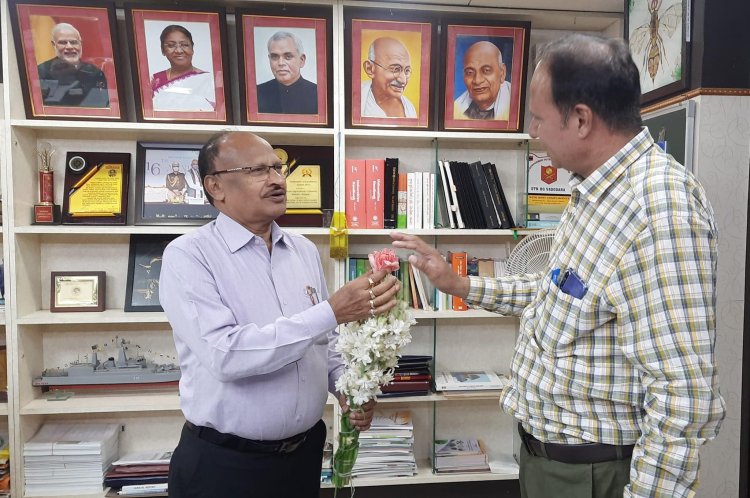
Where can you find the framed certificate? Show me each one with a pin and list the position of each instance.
(77, 291)
(96, 188)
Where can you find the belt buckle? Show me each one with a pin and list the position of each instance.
(289, 446)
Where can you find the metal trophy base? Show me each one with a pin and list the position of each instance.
(46, 214)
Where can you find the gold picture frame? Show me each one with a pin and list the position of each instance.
(77, 291)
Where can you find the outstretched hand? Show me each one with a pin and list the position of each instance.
(428, 260)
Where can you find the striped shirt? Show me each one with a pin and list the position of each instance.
(632, 361)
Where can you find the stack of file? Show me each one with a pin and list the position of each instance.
(140, 469)
(69, 459)
(411, 377)
(387, 448)
(460, 455)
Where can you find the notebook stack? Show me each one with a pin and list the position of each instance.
(69, 459)
(460, 455)
(133, 471)
(387, 448)
(412, 377)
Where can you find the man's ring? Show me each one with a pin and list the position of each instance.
(372, 294)
(371, 281)
(372, 313)
(372, 304)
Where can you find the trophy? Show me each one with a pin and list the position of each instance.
(46, 211)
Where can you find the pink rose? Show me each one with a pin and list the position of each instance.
(384, 259)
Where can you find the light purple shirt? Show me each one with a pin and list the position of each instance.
(257, 356)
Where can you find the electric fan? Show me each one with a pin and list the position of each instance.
(531, 255)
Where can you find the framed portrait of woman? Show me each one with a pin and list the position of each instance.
(285, 58)
(485, 75)
(389, 72)
(67, 59)
(180, 70)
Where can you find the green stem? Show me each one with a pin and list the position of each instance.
(346, 454)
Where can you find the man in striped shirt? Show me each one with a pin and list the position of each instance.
(613, 378)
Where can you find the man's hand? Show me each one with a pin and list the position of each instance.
(362, 418)
(428, 260)
(371, 294)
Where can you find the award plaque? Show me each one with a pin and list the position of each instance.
(77, 291)
(96, 188)
(309, 184)
(46, 211)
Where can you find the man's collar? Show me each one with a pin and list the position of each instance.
(236, 236)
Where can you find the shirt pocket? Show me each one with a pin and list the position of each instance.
(562, 320)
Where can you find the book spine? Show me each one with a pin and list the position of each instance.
(503, 199)
(355, 202)
(374, 179)
(410, 217)
(458, 263)
(483, 195)
(401, 214)
(391, 193)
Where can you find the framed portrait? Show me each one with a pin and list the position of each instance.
(67, 59)
(484, 83)
(144, 267)
(659, 43)
(77, 291)
(168, 187)
(180, 70)
(286, 65)
(389, 71)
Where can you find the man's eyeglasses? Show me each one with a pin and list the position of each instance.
(259, 173)
(173, 46)
(396, 69)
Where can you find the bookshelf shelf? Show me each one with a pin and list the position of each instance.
(133, 229)
(44, 317)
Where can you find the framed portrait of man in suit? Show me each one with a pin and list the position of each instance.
(389, 71)
(484, 76)
(67, 59)
(286, 68)
(179, 67)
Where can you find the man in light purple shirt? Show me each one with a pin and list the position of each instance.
(255, 329)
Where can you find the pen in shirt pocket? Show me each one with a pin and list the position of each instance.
(312, 293)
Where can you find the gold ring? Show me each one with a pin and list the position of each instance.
(371, 281)
(372, 294)
(372, 304)
(372, 313)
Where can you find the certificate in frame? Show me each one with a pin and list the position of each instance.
(77, 291)
(96, 188)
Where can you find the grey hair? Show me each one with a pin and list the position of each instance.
(63, 26)
(280, 35)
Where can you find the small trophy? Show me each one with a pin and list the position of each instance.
(46, 211)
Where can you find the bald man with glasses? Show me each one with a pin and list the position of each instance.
(66, 80)
(388, 65)
(255, 331)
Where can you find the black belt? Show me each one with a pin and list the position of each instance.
(243, 445)
(574, 453)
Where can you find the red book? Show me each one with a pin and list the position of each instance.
(401, 378)
(375, 203)
(458, 262)
(415, 385)
(355, 193)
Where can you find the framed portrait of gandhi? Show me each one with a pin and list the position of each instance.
(285, 57)
(180, 70)
(389, 71)
(67, 59)
(484, 78)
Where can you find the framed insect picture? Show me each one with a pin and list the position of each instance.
(659, 38)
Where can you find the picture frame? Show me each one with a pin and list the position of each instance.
(96, 188)
(298, 92)
(167, 189)
(404, 37)
(663, 27)
(175, 84)
(77, 291)
(68, 59)
(144, 267)
(478, 93)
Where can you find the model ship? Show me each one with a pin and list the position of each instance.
(123, 371)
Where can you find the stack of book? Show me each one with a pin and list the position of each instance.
(411, 378)
(69, 459)
(144, 470)
(469, 381)
(460, 455)
(326, 471)
(387, 448)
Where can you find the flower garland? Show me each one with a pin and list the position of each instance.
(370, 350)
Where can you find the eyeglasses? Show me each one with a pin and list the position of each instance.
(65, 43)
(258, 173)
(396, 69)
(173, 46)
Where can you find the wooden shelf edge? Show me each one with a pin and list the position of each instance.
(83, 403)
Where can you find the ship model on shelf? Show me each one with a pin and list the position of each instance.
(130, 372)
